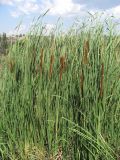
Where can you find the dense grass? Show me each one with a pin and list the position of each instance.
(62, 93)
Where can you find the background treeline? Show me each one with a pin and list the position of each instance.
(3, 43)
(6, 40)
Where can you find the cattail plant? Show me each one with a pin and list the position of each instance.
(37, 116)
(51, 65)
(85, 52)
(41, 61)
(37, 69)
(81, 82)
(62, 66)
(1, 67)
(101, 80)
(34, 56)
(11, 65)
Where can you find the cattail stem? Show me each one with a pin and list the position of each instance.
(34, 56)
(82, 82)
(101, 80)
(114, 84)
(41, 61)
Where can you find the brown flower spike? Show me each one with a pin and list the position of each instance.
(85, 52)
(51, 65)
(11, 65)
(62, 66)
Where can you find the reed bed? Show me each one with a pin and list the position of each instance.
(64, 102)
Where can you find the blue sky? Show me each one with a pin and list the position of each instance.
(13, 11)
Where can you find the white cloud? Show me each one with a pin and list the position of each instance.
(57, 7)
(15, 14)
(61, 7)
(115, 11)
(28, 7)
(8, 2)
(24, 8)
(21, 6)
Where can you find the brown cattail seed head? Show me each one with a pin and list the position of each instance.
(62, 66)
(11, 65)
(51, 65)
(85, 52)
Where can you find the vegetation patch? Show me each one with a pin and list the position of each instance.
(60, 94)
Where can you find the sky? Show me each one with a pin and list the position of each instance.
(12, 12)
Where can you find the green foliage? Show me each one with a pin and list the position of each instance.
(80, 111)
